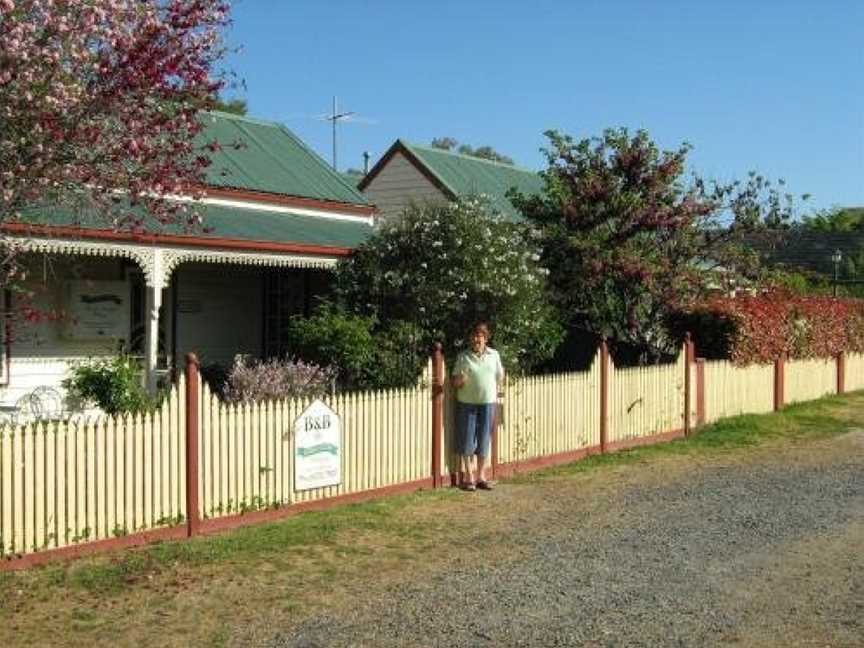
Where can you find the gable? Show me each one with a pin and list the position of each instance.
(397, 184)
(460, 175)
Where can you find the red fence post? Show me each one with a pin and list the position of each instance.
(779, 382)
(700, 391)
(437, 412)
(604, 395)
(841, 372)
(193, 519)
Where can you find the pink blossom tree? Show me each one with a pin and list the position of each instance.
(630, 240)
(98, 105)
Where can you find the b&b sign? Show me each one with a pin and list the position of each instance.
(317, 448)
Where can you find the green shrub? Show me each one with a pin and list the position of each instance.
(363, 355)
(113, 384)
(439, 268)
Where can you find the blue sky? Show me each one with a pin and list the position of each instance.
(775, 86)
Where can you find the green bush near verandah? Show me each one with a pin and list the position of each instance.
(113, 384)
(430, 274)
(362, 353)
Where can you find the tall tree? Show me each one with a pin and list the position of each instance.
(99, 100)
(628, 240)
(235, 106)
(837, 219)
(444, 143)
(483, 152)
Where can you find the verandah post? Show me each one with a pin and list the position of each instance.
(841, 372)
(193, 520)
(604, 395)
(779, 382)
(437, 411)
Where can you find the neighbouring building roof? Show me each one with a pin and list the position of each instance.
(270, 159)
(460, 175)
(351, 178)
(811, 250)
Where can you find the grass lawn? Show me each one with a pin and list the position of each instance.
(178, 593)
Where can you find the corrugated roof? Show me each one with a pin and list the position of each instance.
(271, 159)
(464, 175)
(234, 223)
(810, 250)
(351, 178)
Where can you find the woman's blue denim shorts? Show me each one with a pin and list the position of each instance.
(474, 428)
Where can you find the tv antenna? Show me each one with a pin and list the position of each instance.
(335, 117)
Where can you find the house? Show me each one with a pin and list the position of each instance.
(409, 173)
(277, 218)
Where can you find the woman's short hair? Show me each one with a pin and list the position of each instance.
(480, 326)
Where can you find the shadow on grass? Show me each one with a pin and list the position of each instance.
(330, 529)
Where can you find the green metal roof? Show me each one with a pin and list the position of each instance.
(351, 178)
(808, 250)
(464, 175)
(271, 159)
(232, 223)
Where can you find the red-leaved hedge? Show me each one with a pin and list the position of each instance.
(760, 328)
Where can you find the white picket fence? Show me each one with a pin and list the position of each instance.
(64, 483)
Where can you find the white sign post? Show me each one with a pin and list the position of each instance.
(317, 448)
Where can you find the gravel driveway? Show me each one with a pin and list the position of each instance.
(764, 547)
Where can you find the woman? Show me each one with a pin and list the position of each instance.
(477, 375)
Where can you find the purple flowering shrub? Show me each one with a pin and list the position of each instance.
(259, 380)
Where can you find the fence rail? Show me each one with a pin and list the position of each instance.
(68, 484)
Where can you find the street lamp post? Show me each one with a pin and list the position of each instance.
(836, 258)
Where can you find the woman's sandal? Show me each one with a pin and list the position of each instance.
(484, 485)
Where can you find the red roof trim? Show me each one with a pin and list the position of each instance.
(173, 239)
(282, 199)
(399, 147)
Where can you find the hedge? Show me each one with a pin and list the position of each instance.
(752, 329)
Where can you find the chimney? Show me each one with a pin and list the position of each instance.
(366, 163)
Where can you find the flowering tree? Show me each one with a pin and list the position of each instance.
(98, 100)
(629, 242)
(442, 266)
